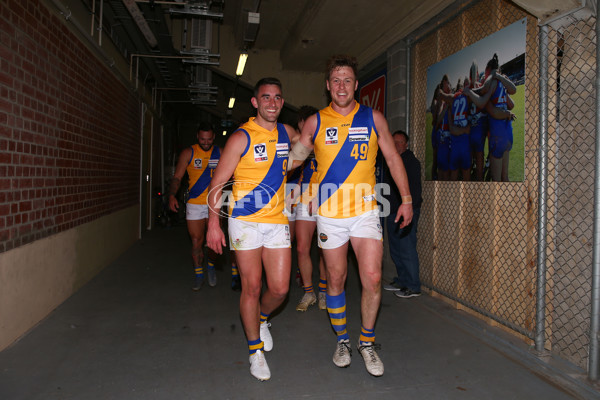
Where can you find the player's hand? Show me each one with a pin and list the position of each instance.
(215, 239)
(404, 215)
(173, 203)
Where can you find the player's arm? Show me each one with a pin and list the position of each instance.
(510, 104)
(499, 113)
(508, 84)
(479, 99)
(396, 166)
(304, 145)
(182, 163)
(445, 97)
(230, 157)
(442, 108)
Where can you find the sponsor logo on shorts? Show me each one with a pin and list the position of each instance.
(331, 135)
(237, 243)
(260, 152)
(197, 163)
(323, 237)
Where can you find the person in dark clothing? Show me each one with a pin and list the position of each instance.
(403, 241)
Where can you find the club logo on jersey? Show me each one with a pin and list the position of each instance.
(281, 150)
(358, 134)
(323, 237)
(260, 152)
(331, 136)
(197, 163)
(212, 163)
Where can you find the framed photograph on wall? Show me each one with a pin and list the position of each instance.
(475, 118)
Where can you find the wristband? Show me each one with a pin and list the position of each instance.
(406, 199)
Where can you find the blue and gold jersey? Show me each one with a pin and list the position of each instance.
(260, 176)
(200, 171)
(308, 180)
(345, 149)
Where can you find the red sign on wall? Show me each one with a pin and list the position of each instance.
(373, 94)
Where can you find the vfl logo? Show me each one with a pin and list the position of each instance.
(323, 237)
(331, 136)
(197, 163)
(260, 152)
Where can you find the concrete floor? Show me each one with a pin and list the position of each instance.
(137, 331)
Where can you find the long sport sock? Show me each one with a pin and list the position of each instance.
(254, 345)
(263, 317)
(322, 285)
(367, 336)
(336, 307)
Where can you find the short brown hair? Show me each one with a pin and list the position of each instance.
(267, 81)
(341, 60)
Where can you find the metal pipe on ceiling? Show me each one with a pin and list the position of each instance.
(140, 20)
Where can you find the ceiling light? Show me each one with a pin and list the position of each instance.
(241, 64)
(224, 133)
(231, 102)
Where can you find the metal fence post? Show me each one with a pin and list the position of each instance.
(595, 300)
(540, 326)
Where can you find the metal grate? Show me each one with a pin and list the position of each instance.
(478, 241)
(572, 74)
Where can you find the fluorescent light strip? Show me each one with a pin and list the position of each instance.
(241, 64)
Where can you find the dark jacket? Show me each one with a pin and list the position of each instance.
(413, 170)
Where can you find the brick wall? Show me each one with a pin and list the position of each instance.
(69, 129)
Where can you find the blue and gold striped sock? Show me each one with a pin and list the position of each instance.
(254, 345)
(336, 307)
(199, 270)
(211, 264)
(308, 289)
(367, 336)
(322, 285)
(234, 271)
(263, 317)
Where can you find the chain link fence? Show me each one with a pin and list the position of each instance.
(478, 240)
(571, 144)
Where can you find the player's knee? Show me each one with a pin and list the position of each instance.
(371, 279)
(252, 289)
(197, 240)
(279, 291)
(302, 247)
(336, 282)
